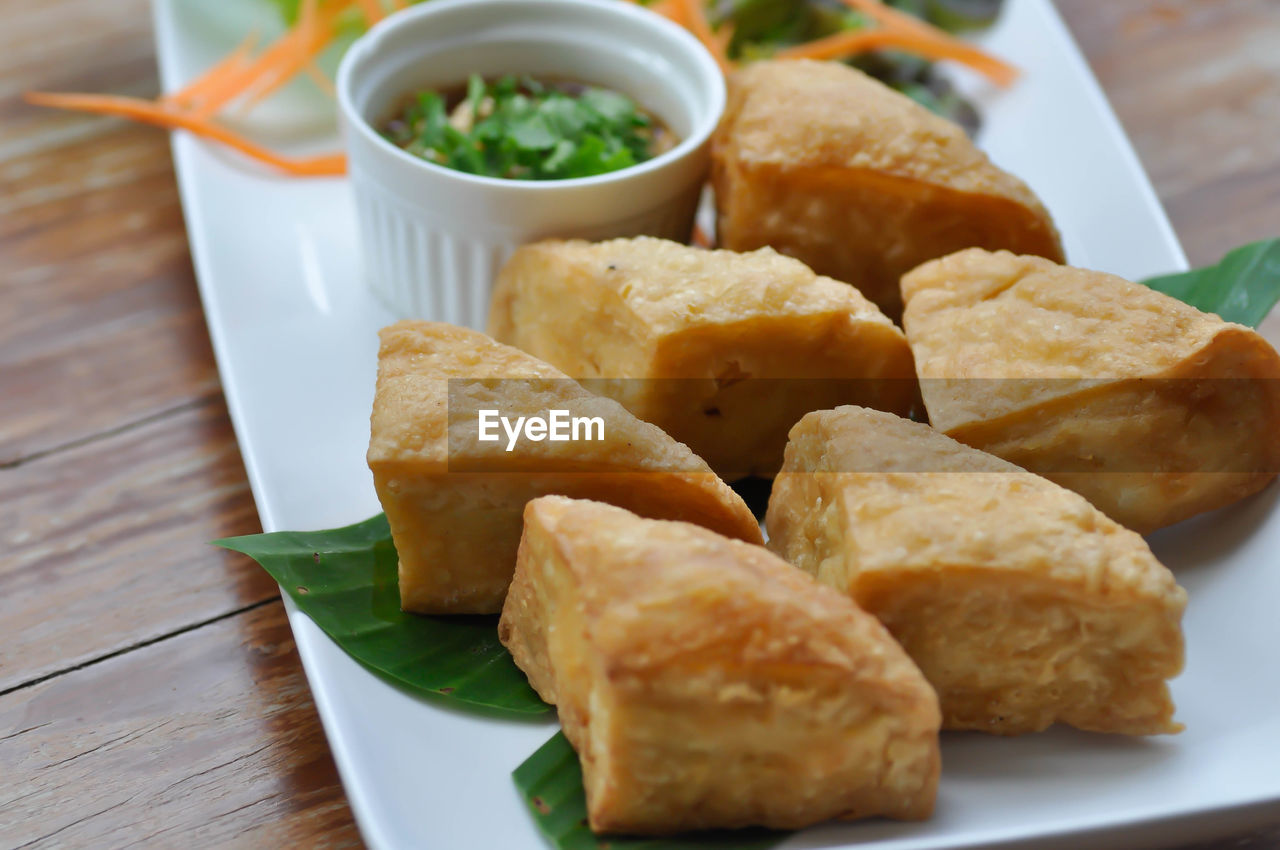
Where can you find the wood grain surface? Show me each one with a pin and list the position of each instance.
(150, 692)
(100, 320)
(207, 739)
(1196, 84)
(104, 542)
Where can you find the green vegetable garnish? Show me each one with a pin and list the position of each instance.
(1242, 287)
(962, 15)
(522, 129)
(345, 579)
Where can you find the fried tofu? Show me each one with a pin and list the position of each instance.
(1022, 604)
(454, 502)
(1149, 408)
(707, 684)
(859, 182)
(723, 351)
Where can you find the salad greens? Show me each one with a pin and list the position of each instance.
(523, 129)
(762, 27)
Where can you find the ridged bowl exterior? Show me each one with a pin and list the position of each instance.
(433, 239)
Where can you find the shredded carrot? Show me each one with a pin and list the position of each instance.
(844, 43)
(278, 63)
(192, 93)
(227, 87)
(320, 78)
(858, 41)
(887, 15)
(373, 11)
(238, 78)
(695, 17)
(235, 77)
(700, 237)
(314, 31)
(724, 38)
(160, 115)
(671, 10)
(910, 34)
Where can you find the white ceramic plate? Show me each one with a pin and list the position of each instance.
(293, 328)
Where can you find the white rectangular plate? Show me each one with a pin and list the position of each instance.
(294, 328)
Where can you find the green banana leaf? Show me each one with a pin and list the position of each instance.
(345, 580)
(550, 782)
(1242, 287)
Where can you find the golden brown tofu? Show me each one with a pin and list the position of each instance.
(723, 351)
(1149, 408)
(1022, 604)
(705, 683)
(454, 501)
(859, 182)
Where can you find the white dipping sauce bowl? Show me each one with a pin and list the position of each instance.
(434, 238)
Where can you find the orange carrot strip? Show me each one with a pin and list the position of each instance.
(919, 37)
(695, 17)
(292, 67)
(671, 10)
(279, 62)
(858, 41)
(373, 11)
(148, 112)
(887, 15)
(724, 38)
(235, 84)
(840, 44)
(193, 91)
(319, 77)
(316, 31)
(700, 237)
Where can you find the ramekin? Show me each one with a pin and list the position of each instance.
(433, 239)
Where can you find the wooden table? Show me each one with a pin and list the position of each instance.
(149, 687)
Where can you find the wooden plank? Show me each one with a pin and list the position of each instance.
(1196, 84)
(101, 320)
(105, 543)
(208, 739)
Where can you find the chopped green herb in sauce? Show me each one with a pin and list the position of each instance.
(523, 129)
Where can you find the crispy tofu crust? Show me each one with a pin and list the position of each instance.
(859, 182)
(454, 503)
(1149, 408)
(724, 351)
(1023, 604)
(707, 684)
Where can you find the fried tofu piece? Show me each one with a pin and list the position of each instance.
(859, 182)
(1022, 604)
(1149, 408)
(707, 684)
(454, 502)
(723, 351)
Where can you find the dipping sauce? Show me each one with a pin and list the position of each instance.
(519, 128)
